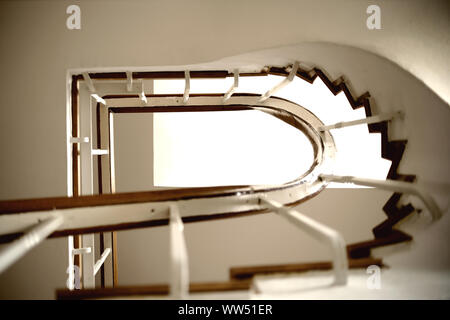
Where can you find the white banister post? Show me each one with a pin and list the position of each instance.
(320, 232)
(129, 81)
(86, 174)
(142, 95)
(233, 87)
(187, 86)
(101, 260)
(89, 83)
(91, 88)
(282, 84)
(71, 266)
(179, 285)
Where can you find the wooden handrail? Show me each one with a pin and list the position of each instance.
(173, 194)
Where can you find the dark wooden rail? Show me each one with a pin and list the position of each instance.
(43, 204)
(243, 273)
(149, 290)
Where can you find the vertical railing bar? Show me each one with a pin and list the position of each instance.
(129, 81)
(233, 87)
(179, 285)
(88, 261)
(319, 231)
(187, 86)
(142, 95)
(91, 88)
(71, 267)
(282, 84)
(101, 260)
(89, 83)
(87, 180)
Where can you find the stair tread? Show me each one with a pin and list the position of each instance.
(155, 289)
(250, 271)
(362, 249)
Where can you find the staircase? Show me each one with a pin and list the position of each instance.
(358, 254)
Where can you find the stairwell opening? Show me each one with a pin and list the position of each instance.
(358, 150)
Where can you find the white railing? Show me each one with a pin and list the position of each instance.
(18, 248)
(391, 185)
(179, 285)
(373, 119)
(179, 282)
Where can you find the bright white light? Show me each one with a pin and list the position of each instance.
(358, 151)
(181, 139)
(168, 86)
(194, 149)
(211, 85)
(196, 86)
(258, 85)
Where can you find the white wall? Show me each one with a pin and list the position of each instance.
(133, 151)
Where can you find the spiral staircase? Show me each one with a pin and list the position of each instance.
(24, 223)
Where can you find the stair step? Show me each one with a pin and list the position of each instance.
(245, 273)
(395, 216)
(362, 249)
(148, 290)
